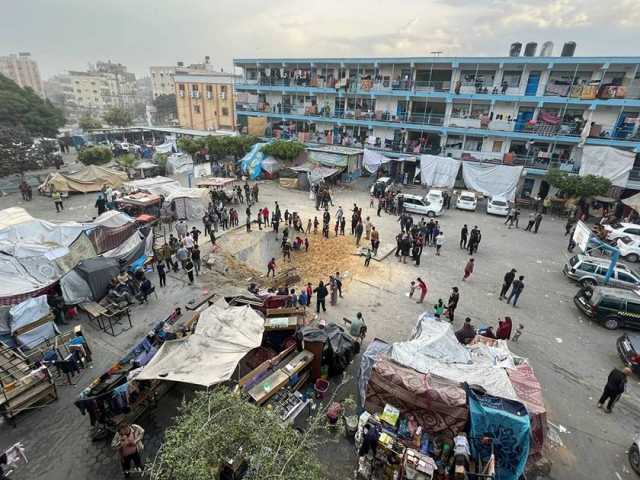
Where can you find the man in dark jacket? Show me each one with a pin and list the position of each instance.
(464, 233)
(321, 293)
(616, 383)
(452, 304)
(506, 284)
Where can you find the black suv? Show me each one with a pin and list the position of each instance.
(612, 307)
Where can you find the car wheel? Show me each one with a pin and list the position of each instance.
(588, 282)
(431, 214)
(634, 458)
(632, 257)
(611, 323)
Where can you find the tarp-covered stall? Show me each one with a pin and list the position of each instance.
(492, 180)
(608, 162)
(157, 185)
(97, 273)
(190, 203)
(372, 160)
(440, 172)
(335, 156)
(88, 179)
(30, 322)
(223, 336)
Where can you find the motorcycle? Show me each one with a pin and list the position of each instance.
(634, 454)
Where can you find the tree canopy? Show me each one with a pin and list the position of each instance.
(218, 146)
(118, 117)
(217, 424)
(165, 107)
(577, 186)
(97, 155)
(23, 108)
(284, 150)
(89, 122)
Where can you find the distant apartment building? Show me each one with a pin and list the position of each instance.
(205, 100)
(103, 86)
(162, 78)
(525, 110)
(23, 70)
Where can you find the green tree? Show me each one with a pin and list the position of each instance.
(118, 117)
(166, 107)
(191, 145)
(23, 108)
(161, 160)
(284, 150)
(578, 186)
(89, 122)
(216, 424)
(97, 155)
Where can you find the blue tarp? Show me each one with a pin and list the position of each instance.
(507, 423)
(251, 163)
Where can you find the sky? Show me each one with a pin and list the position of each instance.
(69, 34)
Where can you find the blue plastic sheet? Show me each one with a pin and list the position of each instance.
(251, 163)
(507, 423)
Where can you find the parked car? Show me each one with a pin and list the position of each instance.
(634, 454)
(498, 206)
(436, 196)
(629, 248)
(467, 201)
(612, 307)
(420, 205)
(628, 346)
(381, 185)
(591, 271)
(620, 230)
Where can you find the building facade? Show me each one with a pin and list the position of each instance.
(521, 110)
(23, 70)
(205, 100)
(162, 78)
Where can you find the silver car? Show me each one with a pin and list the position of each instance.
(590, 271)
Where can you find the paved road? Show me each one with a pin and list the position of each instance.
(570, 355)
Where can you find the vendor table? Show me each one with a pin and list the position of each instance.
(268, 387)
(106, 318)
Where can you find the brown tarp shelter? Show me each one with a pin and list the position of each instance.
(88, 179)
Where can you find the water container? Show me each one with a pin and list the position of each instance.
(515, 49)
(547, 49)
(568, 49)
(530, 49)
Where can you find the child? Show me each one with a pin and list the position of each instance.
(343, 222)
(412, 289)
(306, 244)
(315, 225)
(308, 227)
(367, 260)
(438, 309)
(516, 335)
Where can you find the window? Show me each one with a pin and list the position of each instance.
(196, 108)
(223, 89)
(497, 146)
(625, 277)
(587, 267)
(209, 88)
(611, 302)
(181, 86)
(225, 112)
(632, 231)
(633, 307)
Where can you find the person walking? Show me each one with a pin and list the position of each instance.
(195, 258)
(321, 294)
(343, 223)
(309, 291)
(464, 233)
(188, 268)
(57, 201)
(101, 203)
(439, 242)
(128, 443)
(422, 285)
(405, 248)
(532, 220)
(181, 229)
(506, 283)
(537, 222)
(271, 267)
(333, 290)
(375, 240)
(162, 274)
(452, 303)
(367, 258)
(503, 332)
(358, 231)
(516, 290)
(615, 387)
(338, 283)
(468, 269)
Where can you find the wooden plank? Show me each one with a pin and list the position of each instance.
(266, 365)
(93, 309)
(268, 387)
(280, 323)
(285, 311)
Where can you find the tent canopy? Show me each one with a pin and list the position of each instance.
(97, 272)
(633, 202)
(88, 179)
(157, 185)
(223, 336)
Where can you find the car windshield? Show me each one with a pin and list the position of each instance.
(615, 225)
(626, 240)
(434, 197)
(467, 198)
(499, 203)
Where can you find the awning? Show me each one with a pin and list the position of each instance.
(215, 182)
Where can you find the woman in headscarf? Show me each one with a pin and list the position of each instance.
(504, 329)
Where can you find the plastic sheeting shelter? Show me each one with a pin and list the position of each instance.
(633, 202)
(372, 160)
(492, 180)
(190, 203)
(97, 273)
(251, 163)
(336, 156)
(155, 185)
(89, 179)
(27, 313)
(179, 163)
(223, 336)
(607, 162)
(440, 172)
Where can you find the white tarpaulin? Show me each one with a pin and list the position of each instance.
(372, 160)
(438, 171)
(156, 185)
(179, 163)
(633, 202)
(492, 180)
(28, 312)
(607, 162)
(270, 165)
(435, 350)
(222, 338)
(190, 203)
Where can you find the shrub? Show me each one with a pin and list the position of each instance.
(97, 155)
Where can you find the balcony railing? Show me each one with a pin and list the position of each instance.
(561, 88)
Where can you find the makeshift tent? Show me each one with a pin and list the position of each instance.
(438, 171)
(130, 250)
(372, 160)
(506, 422)
(169, 147)
(28, 313)
(633, 202)
(190, 203)
(438, 404)
(492, 180)
(336, 156)
(251, 163)
(223, 336)
(16, 226)
(310, 174)
(270, 165)
(607, 162)
(97, 273)
(179, 163)
(74, 289)
(146, 168)
(156, 185)
(341, 345)
(367, 361)
(88, 179)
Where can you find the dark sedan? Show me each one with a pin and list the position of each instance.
(628, 346)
